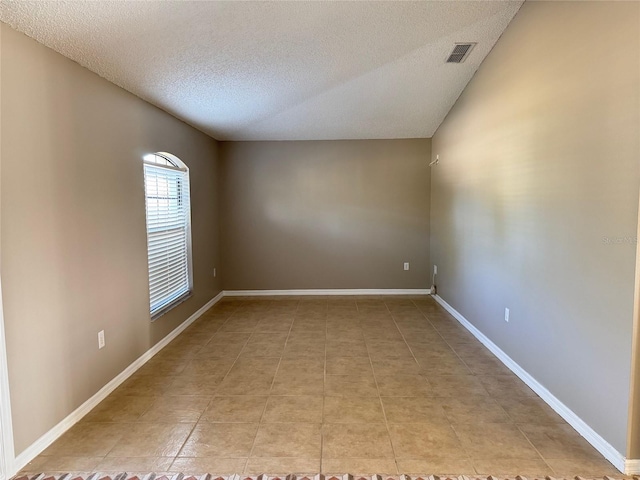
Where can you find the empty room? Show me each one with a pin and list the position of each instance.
(370, 240)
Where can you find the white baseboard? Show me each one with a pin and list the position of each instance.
(632, 467)
(599, 443)
(52, 435)
(346, 291)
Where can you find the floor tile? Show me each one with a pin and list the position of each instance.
(395, 366)
(134, 464)
(502, 385)
(356, 441)
(359, 466)
(266, 344)
(414, 410)
(348, 366)
(297, 440)
(235, 409)
(254, 366)
(403, 386)
(208, 366)
(293, 409)
(339, 348)
(163, 366)
(456, 386)
(529, 410)
(151, 440)
(87, 440)
(443, 367)
(582, 466)
(495, 441)
(487, 366)
(226, 338)
(530, 467)
(246, 383)
(226, 440)
(458, 464)
(271, 325)
(350, 385)
(354, 409)
(145, 385)
(176, 409)
(293, 349)
(413, 440)
(558, 441)
(474, 410)
(194, 385)
(62, 464)
(282, 466)
(240, 325)
(301, 365)
(119, 409)
(202, 465)
(216, 350)
(298, 383)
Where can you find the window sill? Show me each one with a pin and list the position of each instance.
(186, 296)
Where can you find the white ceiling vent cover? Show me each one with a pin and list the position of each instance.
(460, 52)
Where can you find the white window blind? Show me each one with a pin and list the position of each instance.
(168, 233)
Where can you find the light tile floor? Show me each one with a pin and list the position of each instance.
(337, 385)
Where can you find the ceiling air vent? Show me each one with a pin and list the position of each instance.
(460, 52)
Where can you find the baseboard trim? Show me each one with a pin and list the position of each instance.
(599, 443)
(632, 467)
(328, 291)
(52, 435)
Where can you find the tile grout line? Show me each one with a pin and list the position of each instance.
(264, 410)
(456, 354)
(212, 396)
(384, 413)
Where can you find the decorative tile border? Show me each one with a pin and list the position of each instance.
(208, 476)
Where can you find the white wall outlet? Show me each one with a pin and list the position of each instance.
(506, 314)
(101, 342)
(435, 269)
(214, 272)
(406, 265)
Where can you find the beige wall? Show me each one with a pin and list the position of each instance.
(73, 229)
(538, 167)
(325, 214)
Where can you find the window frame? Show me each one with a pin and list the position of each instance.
(177, 165)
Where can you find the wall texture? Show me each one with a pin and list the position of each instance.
(325, 214)
(535, 202)
(73, 229)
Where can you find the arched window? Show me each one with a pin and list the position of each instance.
(166, 186)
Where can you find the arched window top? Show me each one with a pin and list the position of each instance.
(166, 160)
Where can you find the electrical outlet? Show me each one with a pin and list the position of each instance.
(506, 314)
(435, 269)
(406, 265)
(101, 342)
(214, 272)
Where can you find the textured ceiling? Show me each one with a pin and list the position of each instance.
(277, 70)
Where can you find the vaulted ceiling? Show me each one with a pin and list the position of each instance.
(278, 70)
